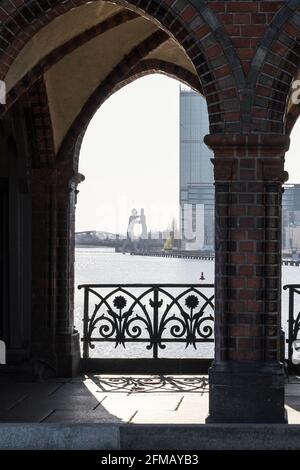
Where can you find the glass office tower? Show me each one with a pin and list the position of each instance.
(291, 218)
(196, 173)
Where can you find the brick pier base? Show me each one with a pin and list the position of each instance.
(246, 379)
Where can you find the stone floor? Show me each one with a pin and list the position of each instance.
(117, 399)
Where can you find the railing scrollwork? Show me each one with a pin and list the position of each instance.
(152, 314)
(293, 339)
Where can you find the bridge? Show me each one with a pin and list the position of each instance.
(99, 238)
(118, 241)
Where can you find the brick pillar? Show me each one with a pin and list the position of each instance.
(43, 267)
(55, 343)
(67, 339)
(246, 378)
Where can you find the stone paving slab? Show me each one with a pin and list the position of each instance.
(194, 405)
(141, 405)
(95, 399)
(293, 415)
(40, 388)
(153, 401)
(293, 402)
(191, 408)
(75, 389)
(27, 412)
(10, 398)
(87, 402)
(119, 407)
(292, 390)
(164, 417)
(100, 415)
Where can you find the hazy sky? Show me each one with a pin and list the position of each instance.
(292, 158)
(130, 158)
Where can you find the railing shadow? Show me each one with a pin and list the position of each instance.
(152, 384)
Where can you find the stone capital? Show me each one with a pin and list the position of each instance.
(272, 170)
(266, 151)
(224, 168)
(254, 145)
(63, 182)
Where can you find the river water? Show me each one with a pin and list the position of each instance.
(95, 265)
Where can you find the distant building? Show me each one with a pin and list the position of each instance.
(291, 217)
(196, 173)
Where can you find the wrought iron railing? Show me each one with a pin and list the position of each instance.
(155, 315)
(293, 339)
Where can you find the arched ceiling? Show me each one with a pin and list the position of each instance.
(59, 31)
(290, 104)
(95, 42)
(170, 52)
(85, 68)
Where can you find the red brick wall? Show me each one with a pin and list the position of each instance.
(248, 173)
(245, 22)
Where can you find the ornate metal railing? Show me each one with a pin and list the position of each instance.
(293, 339)
(155, 315)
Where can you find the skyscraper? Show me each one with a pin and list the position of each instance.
(291, 217)
(196, 173)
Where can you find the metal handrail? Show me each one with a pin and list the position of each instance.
(293, 319)
(156, 316)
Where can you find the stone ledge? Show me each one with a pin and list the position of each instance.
(211, 437)
(46, 436)
(149, 437)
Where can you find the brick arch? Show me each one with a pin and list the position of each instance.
(193, 24)
(149, 66)
(106, 88)
(72, 143)
(112, 83)
(36, 101)
(31, 89)
(273, 68)
(60, 52)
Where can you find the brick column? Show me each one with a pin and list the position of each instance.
(43, 267)
(246, 378)
(67, 339)
(55, 343)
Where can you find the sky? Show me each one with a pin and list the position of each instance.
(130, 158)
(292, 158)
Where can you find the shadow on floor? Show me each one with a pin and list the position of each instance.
(53, 401)
(115, 399)
(150, 384)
